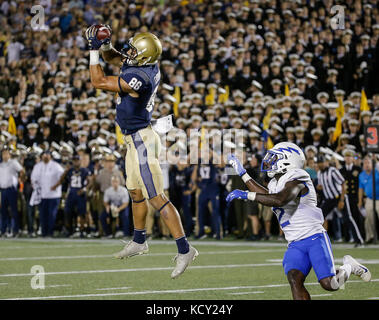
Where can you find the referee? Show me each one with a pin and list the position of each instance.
(332, 184)
(353, 217)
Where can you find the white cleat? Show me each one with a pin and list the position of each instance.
(182, 261)
(357, 269)
(132, 249)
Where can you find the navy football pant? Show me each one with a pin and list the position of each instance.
(204, 197)
(124, 220)
(48, 209)
(9, 199)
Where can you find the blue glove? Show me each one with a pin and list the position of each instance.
(236, 194)
(236, 164)
(93, 42)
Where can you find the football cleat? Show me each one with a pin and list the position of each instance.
(182, 261)
(357, 269)
(132, 249)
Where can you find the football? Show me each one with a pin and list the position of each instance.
(102, 32)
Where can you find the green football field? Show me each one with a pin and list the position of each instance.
(85, 269)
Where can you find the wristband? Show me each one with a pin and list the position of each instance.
(94, 57)
(106, 47)
(245, 177)
(251, 196)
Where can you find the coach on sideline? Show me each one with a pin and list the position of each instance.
(10, 170)
(45, 175)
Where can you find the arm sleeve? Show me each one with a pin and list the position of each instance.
(34, 174)
(106, 196)
(338, 176)
(361, 184)
(17, 166)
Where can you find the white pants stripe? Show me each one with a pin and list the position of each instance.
(329, 250)
(352, 220)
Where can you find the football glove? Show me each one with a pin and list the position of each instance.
(93, 42)
(236, 164)
(237, 194)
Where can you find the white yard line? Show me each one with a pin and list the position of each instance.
(146, 255)
(94, 295)
(144, 269)
(242, 293)
(110, 242)
(321, 295)
(339, 260)
(119, 288)
(3, 284)
(141, 292)
(58, 285)
(373, 298)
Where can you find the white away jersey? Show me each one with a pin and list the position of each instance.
(301, 217)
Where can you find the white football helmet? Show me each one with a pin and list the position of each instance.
(282, 157)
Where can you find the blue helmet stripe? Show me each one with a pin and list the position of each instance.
(289, 149)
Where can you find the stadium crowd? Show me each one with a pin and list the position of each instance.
(275, 70)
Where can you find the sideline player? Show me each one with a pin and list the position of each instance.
(136, 86)
(292, 196)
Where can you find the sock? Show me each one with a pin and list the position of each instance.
(139, 236)
(343, 275)
(183, 245)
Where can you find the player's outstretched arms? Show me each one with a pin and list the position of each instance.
(111, 55)
(109, 83)
(251, 184)
(291, 190)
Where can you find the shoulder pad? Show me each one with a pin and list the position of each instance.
(296, 174)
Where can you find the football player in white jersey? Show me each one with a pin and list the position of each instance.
(293, 199)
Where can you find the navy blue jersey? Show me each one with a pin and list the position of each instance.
(133, 114)
(77, 179)
(208, 176)
(182, 177)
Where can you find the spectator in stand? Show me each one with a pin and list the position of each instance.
(116, 213)
(277, 66)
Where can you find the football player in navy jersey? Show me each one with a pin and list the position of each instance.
(184, 187)
(77, 179)
(136, 87)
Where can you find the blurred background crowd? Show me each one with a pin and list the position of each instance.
(276, 70)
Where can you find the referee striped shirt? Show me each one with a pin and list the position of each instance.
(331, 181)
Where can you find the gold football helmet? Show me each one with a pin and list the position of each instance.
(143, 49)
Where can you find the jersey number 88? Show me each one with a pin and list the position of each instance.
(135, 84)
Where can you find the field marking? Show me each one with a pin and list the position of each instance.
(58, 285)
(250, 292)
(146, 255)
(3, 284)
(140, 292)
(119, 288)
(144, 269)
(321, 295)
(373, 298)
(171, 291)
(110, 242)
(250, 265)
(338, 260)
